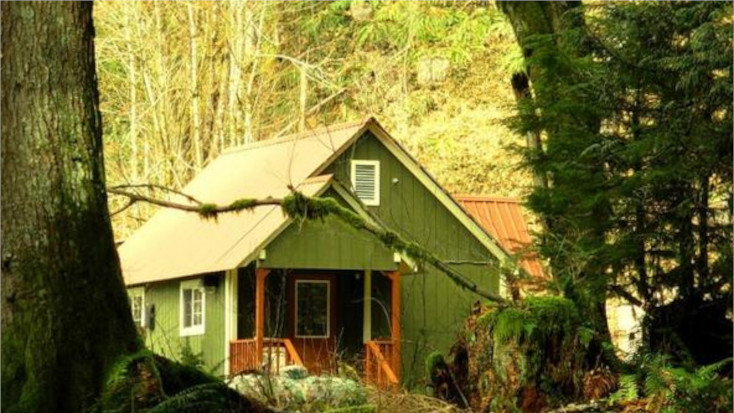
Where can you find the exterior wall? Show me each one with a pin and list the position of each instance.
(434, 308)
(164, 337)
(331, 244)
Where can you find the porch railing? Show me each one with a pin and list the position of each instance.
(380, 365)
(277, 353)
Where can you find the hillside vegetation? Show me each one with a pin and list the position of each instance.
(181, 81)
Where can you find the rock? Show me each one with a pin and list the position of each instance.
(432, 70)
(293, 389)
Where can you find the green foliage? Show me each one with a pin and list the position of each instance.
(676, 389)
(191, 359)
(149, 383)
(627, 391)
(541, 343)
(635, 110)
(434, 362)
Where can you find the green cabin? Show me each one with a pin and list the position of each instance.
(256, 290)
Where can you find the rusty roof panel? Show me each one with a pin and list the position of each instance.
(503, 219)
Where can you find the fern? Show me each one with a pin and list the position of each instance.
(207, 397)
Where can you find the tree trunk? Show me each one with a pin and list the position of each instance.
(65, 315)
(195, 123)
(531, 20)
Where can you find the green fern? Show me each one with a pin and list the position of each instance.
(209, 397)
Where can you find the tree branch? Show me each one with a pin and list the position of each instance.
(301, 207)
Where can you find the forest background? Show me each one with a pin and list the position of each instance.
(182, 81)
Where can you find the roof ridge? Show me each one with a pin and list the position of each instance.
(485, 198)
(297, 136)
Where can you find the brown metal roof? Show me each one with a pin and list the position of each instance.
(503, 219)
(175, 243)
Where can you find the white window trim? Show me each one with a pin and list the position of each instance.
(328, 307)
(193, 330)
(353, 176)
(138, 292)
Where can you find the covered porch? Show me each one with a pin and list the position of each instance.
(315, 318)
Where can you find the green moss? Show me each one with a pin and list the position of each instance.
(434, 361)
(243, 204)
(208, 211)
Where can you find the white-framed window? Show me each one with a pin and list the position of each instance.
(366, 181)
(313, 309)
(192, 306)
(136, 296)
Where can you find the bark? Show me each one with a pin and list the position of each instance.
(65, 315)
(529, 20)
(195, 123)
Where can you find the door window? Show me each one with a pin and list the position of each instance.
(312, 308)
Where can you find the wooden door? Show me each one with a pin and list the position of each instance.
(313, 322)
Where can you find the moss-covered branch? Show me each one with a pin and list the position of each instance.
(301, 207)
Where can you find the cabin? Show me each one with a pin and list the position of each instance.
(255, 289)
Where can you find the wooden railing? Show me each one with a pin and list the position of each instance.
(277, 353)
(380, 365)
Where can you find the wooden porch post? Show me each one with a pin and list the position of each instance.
(260, 274)
(395, 320)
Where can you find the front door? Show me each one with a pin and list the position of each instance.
(313, 320)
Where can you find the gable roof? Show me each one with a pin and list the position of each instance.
(174, 243)
(503, 219)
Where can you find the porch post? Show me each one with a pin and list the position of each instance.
(395, 319)
(260, 274)
(230, 315)
(367, 307)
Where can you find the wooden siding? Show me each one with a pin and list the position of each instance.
(164, 339)
(434, 308)
(330, 245)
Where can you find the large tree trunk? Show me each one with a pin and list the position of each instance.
(65, 315)
(530, 21)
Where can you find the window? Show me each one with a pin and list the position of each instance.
(312, 308)
(137, 304)
(192, 306)
(366, 181)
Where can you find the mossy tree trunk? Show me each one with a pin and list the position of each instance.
(557, 27)
(65, 315)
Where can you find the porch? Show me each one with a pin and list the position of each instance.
(315, 319)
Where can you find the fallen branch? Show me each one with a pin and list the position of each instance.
(301, 207)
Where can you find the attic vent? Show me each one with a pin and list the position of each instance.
(366, 181)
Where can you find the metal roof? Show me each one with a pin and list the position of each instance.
(503, 219)
(176, 243)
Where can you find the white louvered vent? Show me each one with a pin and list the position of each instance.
(366, 181)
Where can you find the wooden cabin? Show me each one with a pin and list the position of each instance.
(256, 290)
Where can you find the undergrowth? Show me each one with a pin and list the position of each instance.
(528, 355)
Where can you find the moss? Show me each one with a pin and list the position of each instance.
(434, 361)
(208, 211)
(144, 381)
(300, 207)
(540, 346)
(243, 204)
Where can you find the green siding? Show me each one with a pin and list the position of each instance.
(328, 244)
(164, 338)
(434, 308)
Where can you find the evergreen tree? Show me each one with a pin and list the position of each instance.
(637, 150)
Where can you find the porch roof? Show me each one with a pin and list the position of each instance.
(174, 243)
